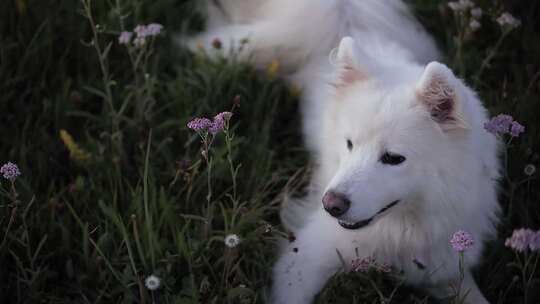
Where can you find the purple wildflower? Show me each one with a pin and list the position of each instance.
(153, 29)
(504, 124)
(10, 171)
(219, 122)
(461, 241)
(150, 30)
(125, 37)
(499, 124)
(144, 31)
(140, 30)
(534, 241)
(516, 128)
(521, 240)
(199, 124)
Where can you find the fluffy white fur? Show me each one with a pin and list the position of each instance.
(381, 90)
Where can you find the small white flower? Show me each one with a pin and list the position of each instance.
(232, 240)
(152, 282)
(509, 21)
(139, 42)
(455, 6)
(474, 25)
(476, 12)
(461, 5)
(529, 170)
(466, 4)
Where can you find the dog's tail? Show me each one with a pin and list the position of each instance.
(292, 32)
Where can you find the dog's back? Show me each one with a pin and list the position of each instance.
(297, 32)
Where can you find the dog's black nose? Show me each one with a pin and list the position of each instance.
(335, 203)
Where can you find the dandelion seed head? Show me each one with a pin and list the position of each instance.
(152, 282)
(461, 241)
(232, 240)
(10, 171)
(529, 169)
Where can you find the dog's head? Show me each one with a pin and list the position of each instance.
(396, 130)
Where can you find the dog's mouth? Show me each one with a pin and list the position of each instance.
(363, 223)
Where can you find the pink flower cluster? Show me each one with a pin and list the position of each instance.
(213, 126)
(365, 264)
(523, 239)
(142, 32)
(461, 241)
(10, 171)
(504, 124)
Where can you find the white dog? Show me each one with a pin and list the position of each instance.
(403, 160)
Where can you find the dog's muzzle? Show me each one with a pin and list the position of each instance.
(364, 223)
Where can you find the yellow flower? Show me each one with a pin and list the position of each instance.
(75, 152)
(272, 69)
(295, 90)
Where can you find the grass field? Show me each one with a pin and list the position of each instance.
(114, 188)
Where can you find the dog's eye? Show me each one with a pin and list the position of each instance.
(392, 159)
(349, 144)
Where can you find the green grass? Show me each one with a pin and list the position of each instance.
(91, 231)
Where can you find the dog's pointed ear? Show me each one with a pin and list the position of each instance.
(438, 91)
(348, 71)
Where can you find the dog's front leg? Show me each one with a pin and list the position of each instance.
(304, 267)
